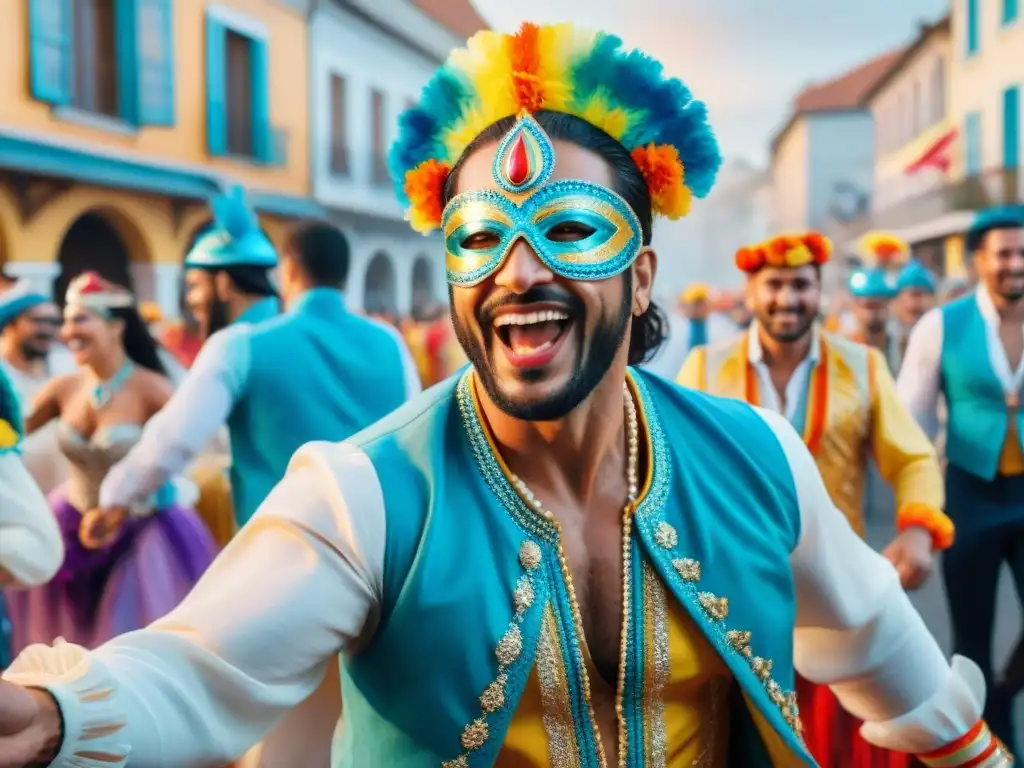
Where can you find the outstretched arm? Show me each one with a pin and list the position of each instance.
(251, 641)
(858, 633)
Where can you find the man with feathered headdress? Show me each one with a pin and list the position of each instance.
(553, 558)
(840, 396)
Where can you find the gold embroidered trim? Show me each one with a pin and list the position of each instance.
(557, 718)
(657, 668)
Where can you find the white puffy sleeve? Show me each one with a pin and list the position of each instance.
(250, 642)
(857, 632)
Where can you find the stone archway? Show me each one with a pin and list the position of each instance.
(380, 295)
(94, 243)
(422, 287)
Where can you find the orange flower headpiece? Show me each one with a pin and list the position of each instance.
(882, 249)
(785, 251)
(557, 68)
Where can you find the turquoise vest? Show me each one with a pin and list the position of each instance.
(317, 372)
(455, 567)
(978, 416)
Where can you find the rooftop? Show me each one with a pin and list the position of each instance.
(458, 16)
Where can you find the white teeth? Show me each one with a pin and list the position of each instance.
(530, 318)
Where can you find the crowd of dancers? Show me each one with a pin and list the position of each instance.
(578, 548)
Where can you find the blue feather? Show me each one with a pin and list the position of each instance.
(232, 214)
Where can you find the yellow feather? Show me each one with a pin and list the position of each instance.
(612, 120)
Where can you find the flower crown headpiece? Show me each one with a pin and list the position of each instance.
(90, 291)
(785, 251)
(562, 69)
(881, 249)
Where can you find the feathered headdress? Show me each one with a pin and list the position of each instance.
(882, 249)
(561, 69)
(785, 251)
(235, 240)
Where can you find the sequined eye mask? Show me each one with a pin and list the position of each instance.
(580, 230)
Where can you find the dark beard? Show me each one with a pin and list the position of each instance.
(33, 353)
(218, 317)
(593, 358)
(788, 337)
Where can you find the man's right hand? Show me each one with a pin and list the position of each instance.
(30, 727)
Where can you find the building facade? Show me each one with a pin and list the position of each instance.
(916, 139)
(822, 159)
(987, 78)
(120, 118)
(369, 61)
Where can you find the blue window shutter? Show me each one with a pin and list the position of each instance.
(154, 61)
(972, 27)
(127, 69)
(261, 131)
(1011, 127)
(216, 89)
(50, 46)
(1010, 11)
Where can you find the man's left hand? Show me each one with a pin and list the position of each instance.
(911, 553)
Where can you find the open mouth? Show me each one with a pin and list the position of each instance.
(531, 339)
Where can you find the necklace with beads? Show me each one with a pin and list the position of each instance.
(632, 489)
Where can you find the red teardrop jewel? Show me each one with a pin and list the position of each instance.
(517, 164)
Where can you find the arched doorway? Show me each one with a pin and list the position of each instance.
(92, 243)
(422, 287)
(379, 294)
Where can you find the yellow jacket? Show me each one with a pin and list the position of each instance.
(852, 411)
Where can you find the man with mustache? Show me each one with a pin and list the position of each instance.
(872, 296)
(840, 396)
(971, 351)
(554, 558)
(31, 355)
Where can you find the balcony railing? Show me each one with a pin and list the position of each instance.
(997, 186)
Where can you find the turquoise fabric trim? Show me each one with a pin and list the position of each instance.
(10, 410)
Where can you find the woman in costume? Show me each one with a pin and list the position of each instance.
(107, 587)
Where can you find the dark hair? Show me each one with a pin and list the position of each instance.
(254, 281)
(139, 344)
(648, 330)
(321, 252)
(1006, 218)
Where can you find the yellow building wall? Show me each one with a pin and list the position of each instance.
(790, 179)
(955, 263)
(185, 141)
(148, 225)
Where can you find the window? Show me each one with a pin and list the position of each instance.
(113, 58)
(339, 134)
(380, 173)
(973, 26)
(939, 91)
(1011, 127)
(238, 91)
(95, 46)
(972, 144)
(1011, 9)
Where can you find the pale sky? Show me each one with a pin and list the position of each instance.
(745, 58)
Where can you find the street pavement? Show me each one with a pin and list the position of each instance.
(930, 600)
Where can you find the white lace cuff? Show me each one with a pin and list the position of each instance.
(85, 693)
(947, 730)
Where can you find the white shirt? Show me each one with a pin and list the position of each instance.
(251, 641)
(184, 426)
(40, 451)
(919, 382)
(31, 548)
(669, 358)
(796, 387)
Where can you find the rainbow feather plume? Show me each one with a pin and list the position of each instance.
(563, 69)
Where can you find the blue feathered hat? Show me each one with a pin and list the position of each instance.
(870, 283)
(235, 240)
(916, 276)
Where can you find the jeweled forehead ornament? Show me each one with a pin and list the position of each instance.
(525, 158)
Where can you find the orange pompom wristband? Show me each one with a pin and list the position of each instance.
(915, 514)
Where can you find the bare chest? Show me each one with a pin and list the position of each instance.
(1012, 337)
